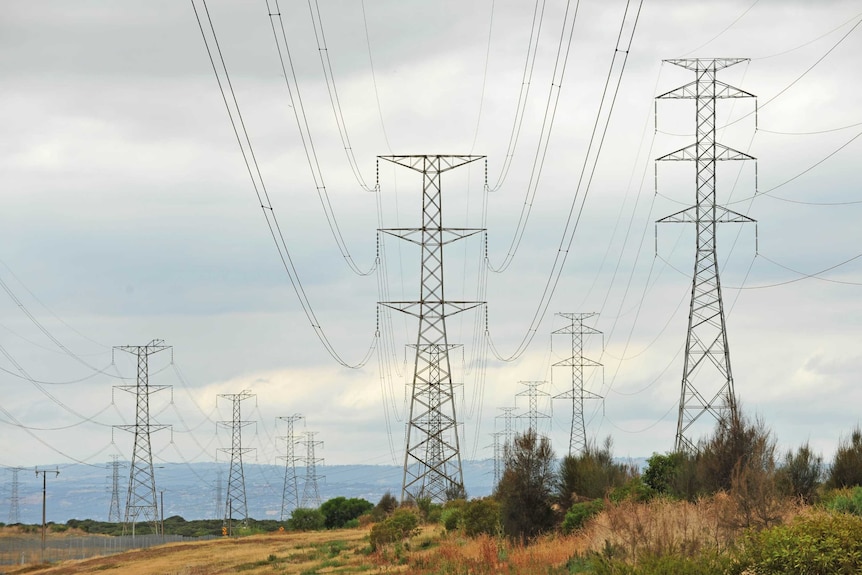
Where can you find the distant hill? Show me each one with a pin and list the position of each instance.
(84, 492)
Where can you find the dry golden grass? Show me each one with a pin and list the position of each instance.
(337, 551)
(669, 527)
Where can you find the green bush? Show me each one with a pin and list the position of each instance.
(822, 544)
(452, 515)
(578, 514)
(339, 510)
(800, 474)
(402, 524)
(591, 474)
(525, 490)
(845, 501)
(481, 516)
(663, 471)
(306, 520)
(846, 469)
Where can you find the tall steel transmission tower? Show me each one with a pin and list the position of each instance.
(310, 491)
(141, 496)
(532, 415)
(14, 500)
(707, 381)
(290, 492)
(236, 502)
(577, 362)
(114, 509)
(432, 459)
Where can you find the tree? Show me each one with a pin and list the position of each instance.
(339, 510)
(846, 470)
(481, 516)
(526, 488)
(801, 473)
(591, 475)
(306, 520)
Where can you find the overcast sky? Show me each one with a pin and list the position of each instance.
(128, 214)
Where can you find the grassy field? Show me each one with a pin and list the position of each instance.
(336, 551)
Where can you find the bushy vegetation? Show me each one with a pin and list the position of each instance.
(302, 519)
(846, 469)
(401, 525)
(801, 474)
(526, 487)
(591, 475)
(338, 511)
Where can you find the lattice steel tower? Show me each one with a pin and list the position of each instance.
(707, 381)
(532, 415)
(310, 491)
(114, 509)
(432, 459)
(141, 496)
(14, 500)
(290, 492)
(577, 362)
(236, 501)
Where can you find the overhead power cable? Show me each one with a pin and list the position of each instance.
(326, 64)
(545, 133)
(247, 151)
(374, 78)
(584, 183)
(305, 133)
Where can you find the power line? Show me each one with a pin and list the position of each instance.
(262, 194)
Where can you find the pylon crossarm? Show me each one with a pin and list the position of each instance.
(698, 64)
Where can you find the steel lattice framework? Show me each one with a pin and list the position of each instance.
(114, 509)
(532, 393)
(141, 496)
(432, 459)
(707, 353)
(310, 491)
(14, 499)
(236, 502)
(290, 491)
(577, 362)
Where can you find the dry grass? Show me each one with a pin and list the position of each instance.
(339, 551)
(666, 527)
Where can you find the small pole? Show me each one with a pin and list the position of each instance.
(44, 500)
(162, 505)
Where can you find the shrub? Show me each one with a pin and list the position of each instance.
(452, 514)
(402, 524)
(579, 513)
(339, 510)
(846, 470)
(800, 474)
(821, 544)
(306, 520)
(481, 516)
(524, 491)
(663, 471)
(846, 501)
(591, 475)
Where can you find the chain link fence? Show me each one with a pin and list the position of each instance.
(15, 550)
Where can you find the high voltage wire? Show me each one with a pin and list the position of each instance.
(305, 131)
(544, 135)
(584, 184)
(262, 195)
(523, 94)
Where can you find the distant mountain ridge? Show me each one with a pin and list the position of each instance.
(84, 492)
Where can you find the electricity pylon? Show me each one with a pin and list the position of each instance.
(498, 455)
(532, 415)
(141, 496)
(14, 500)
(290, 492)
(707, 380)
(432, 458)
(114, 509)
(577, 362)
(310, 491)
(236, 501)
